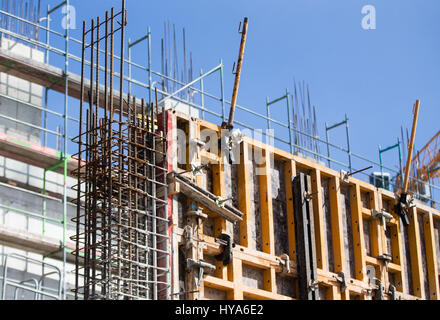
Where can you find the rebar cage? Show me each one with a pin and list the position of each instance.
(122, 250)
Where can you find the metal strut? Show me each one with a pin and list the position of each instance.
(405, 200)
(305, 239)
(237, 73)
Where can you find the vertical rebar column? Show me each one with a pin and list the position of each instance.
(121, 150)
(124, 185)
(153, 204)
(150, 79)
(89, 160)
(110, 163)
(106, 163)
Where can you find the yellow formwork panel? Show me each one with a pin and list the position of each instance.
(270, 268)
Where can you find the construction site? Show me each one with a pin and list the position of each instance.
(145, 185)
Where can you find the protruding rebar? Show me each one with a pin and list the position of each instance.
(121, 185)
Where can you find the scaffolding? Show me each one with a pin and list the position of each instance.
(33, 285)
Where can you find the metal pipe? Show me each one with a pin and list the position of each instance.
(129, 66)
(222, 89)
(22, 287)
(202, 96)
(268, 112)
(348, 144)
(47, 62)
(59, 6)
(289, 121)
(411, 147)
(328, 144)
(66, 104)
(78, 209)
(150, 77)
(400, 160)
(173, 95)
(381, 167)
(28, 213)
(238, 73)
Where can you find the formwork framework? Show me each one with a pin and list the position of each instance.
(122, 185)
(360, 255)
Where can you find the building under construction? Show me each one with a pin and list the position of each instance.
(138, 186)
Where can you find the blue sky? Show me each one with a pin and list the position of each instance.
(374, 76)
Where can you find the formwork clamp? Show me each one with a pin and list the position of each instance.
(201, 265)
(383, 216)
(392, 292)
(402, 207)
(221, 202)
(225, 240)
(199, 143)
(188, 237)
(308, 196)
(379, 291)
(197, 212)
(314, 285)
(342, 280)
(285, 263)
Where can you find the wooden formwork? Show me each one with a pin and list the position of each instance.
(350, 243)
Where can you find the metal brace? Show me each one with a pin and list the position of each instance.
(379, 292)
(199, 143)
(308, 196)
(197, 213)
(345, 176)
(392, 292)
(383, 216)
(221, 202)
(225, 241)
(342, 280)
(202, 266)
(402, 207)
(386, 258)
(234, 71)
(285, 262)
(314, 285)
(195, 168)
(188, 237)
(229, 140)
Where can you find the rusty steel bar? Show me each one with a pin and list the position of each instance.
(411, 146)
(121, 185)
(78, 208)
(238, 73)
